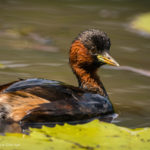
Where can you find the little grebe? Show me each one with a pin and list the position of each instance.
(38, 100)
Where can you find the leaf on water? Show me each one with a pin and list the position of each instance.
(91, 136)
(142, 22)
(2, 66)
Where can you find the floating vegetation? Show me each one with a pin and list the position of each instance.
(142, 23)
(2, 66)
(91, 136)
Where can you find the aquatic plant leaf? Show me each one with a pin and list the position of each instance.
(95, 135)
(142, 22)
(2, 66)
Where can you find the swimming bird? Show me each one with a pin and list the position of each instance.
(41, 100)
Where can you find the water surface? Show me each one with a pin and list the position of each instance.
(35, 37)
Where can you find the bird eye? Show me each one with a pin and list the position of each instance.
(93, 51)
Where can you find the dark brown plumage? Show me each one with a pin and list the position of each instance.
(40, 100)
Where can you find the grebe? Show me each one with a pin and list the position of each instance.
(40, 100)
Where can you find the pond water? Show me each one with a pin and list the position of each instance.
(35, 37)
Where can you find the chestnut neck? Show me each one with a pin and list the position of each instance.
(87, 76)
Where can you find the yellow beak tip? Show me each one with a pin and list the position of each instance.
(117, 65)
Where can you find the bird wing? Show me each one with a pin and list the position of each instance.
(5, 86)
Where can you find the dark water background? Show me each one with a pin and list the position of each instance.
(35, 36)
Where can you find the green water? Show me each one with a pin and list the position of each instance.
(35, 37)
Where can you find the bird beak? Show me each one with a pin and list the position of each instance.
(107, 59)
